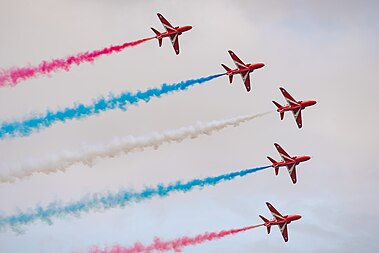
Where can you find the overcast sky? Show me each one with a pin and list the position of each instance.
(323, 50)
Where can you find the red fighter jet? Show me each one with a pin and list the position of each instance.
(294, 106)
(281, 220)
(288, 161)
(243, 69)
(172, 32)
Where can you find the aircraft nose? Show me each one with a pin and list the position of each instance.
(188, 27)
(306, 158)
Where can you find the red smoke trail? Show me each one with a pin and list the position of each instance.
(12, 76)
(173, 245)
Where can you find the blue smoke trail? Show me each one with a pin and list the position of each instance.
(35, 122)
(98, 201)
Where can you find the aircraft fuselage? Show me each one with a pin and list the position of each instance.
(178, 30)
(287, 219)
(250, 68)
(295, 160)
(301, 105)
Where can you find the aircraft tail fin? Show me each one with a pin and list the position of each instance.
(227, 71)
(267, 224)
(158, 36)
(273, 162)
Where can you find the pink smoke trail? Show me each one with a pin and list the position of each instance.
(14, 75)
(172, 245)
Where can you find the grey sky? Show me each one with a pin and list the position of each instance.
(323, 50)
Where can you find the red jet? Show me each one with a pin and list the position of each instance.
(288, 161)
(172, 32)
(281, 220)
(294, 106)
(243, 69)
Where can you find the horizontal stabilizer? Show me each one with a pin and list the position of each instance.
(228, 72)
(267, 223)
(273, 163)
(155, 31)
(277, 104)
(271, 160)
(279, 107)
(225, 67)
(158, 36)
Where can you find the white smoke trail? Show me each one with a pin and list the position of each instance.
(121, 145)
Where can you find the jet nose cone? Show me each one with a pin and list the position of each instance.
(295, 217)
(306, 158)
(188, 27)
(261, 65)
(313, 102)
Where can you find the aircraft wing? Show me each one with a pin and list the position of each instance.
(290, 100)
(165, 23)
(282, 153)
(237, 60)
(297, 114)
(284, 231)
(246, 79)
(292, 172)
(274, 212)
(175, 42)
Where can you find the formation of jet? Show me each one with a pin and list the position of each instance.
(294, 106)
(171, 32)
(280, 220)
(288, 161)
(243, 69)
